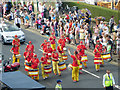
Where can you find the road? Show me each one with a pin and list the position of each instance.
(89, 79)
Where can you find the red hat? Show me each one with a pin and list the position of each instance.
(59, 41)
(54, 49)
(45, 40)
(48, 44)
(30, 42)
(16, 36)
(35, 55)
(98, 41)
(52, 33)
(81, 42)
(44, 54)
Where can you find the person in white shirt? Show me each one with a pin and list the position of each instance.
(108, 80)
(17, 21)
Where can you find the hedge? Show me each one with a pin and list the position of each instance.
(97, 10)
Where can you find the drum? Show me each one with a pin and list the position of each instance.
(47, 69)
(70, 66)
(65, 57)
(106, 56)
(62, 66)
(33, 72)
(80, 67)
(49, 55)
(98, 60)
(27, 66)
(18, 56)
(84, 58)
(49, 61)
(65, 49)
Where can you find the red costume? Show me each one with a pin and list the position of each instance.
(34, 63)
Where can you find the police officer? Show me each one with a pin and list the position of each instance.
(108, 80)
(58, 86)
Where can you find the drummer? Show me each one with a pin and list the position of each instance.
(49, 50)
(75, 64)
(16, 41)
(52, 41)
(25, 56)
(43, 45)
(97, 58)
(15, 51)
(60, 50)
(35, 65)
(81, 50)
(30, 46)
(44, 63)
(55, 62)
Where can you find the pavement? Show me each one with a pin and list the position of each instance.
(89, 79)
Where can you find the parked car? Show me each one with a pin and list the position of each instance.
(7, 33)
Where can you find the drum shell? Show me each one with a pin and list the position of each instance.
(27, 66)
(62, 66)
(106, 56)
(47, 69)
(84, 58)
(64, 57)
(33, 72)
(18, 56)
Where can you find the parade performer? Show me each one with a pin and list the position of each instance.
(60, 50)
(43, 45)
(75, 65)
(49, 50)
(35, 67)
(30, 46)
(44, 63)
(52, 41)
(81, 49)
(55, 62)
(16, 54)
(97, 58)
(16, 41)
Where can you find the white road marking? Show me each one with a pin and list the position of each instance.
(117, 86)
(41, 50)
(90, 73)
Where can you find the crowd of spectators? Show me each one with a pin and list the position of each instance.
(74, 27)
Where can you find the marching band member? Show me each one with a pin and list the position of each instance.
(35, 65)
(43, 45)
(30, 46)
(52, 41)
(25, 55)
(43, 64)
(55, 63)
(81, 49)
(49, 50)
(60, 50)
(15, 51)
(16, 41)
(97, 58)
(75, 70)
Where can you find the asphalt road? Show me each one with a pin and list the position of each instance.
(89, 79)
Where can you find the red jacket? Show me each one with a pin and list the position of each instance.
(81, 49)
(30, 47)
(60, 49)
(16, 42)
(44, 59)
(29, 56)
(15, 50)
(75, 63)
(34, 63)
(97, 50)
(52, 39)
(55, 56)
(44, 45)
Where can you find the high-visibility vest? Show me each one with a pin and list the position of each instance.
(59, 87)
(108, 81)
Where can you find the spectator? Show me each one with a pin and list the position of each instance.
(111, 23)
(17, 22)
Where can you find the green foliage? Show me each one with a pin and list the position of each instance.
(97, 10)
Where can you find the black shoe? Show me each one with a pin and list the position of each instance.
(101, 65)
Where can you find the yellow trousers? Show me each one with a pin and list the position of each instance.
(53, 46)
(97, 67)
(55, 67)
(84, 63)
(75, 73)
(43, 73)
(36, 78)
(15, 59)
